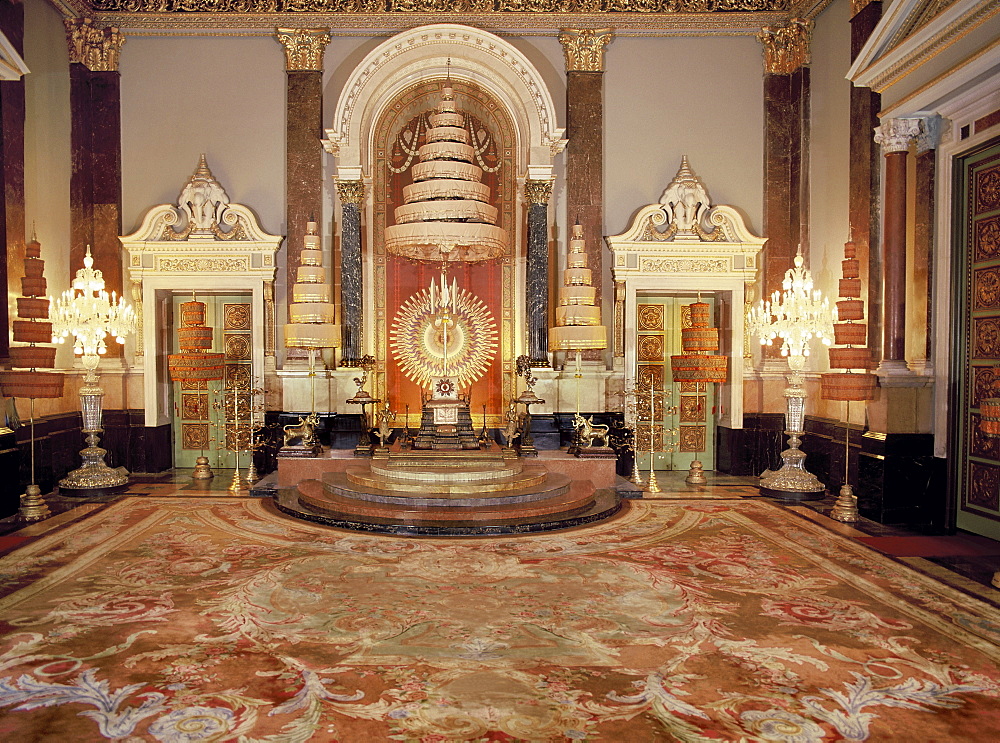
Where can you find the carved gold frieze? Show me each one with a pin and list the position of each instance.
(584, 48)
(203, 265)
(304, 47)
(538, 192)
(351, 192)
(684, 265)
(95, 48)
(786, 48)
(412, 7)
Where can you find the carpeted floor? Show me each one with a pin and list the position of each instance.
(181, 619)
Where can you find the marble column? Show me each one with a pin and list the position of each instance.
(584, 53)
(923, 232)
(895, 136)
(352, 196)
(95, 142)
(786, 147)
(12, 227)
(304, 48)
(537, 195)
(864, 172)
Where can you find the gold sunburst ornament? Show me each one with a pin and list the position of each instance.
(443, 332)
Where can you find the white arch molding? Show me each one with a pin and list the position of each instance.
(423, 53)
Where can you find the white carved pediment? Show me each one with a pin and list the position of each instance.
(685, 233)
(202, 233)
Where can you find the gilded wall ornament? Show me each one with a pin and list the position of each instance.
(95, 48)
(385, 7)
(786, 48)
(304, 47)
(351, 192)
(538, 192)
(584, 48)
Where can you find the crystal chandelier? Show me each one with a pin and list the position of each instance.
(89, 314)
(797, 315)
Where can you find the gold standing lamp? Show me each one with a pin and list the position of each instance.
(89, 314)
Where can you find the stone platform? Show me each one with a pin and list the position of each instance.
(460, 493)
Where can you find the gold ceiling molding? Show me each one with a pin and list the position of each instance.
(95, 48)
(222, 24)
(304, 47)
(786, 48)
(369, 7)
(584, 48)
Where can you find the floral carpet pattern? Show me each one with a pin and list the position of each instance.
(172, 619)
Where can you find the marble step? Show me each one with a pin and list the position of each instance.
(533, 483)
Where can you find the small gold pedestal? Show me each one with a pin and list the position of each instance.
(33, 506)
(202, 469)
(696, 475)
(236, 486)
(653, 486)
(846, 507)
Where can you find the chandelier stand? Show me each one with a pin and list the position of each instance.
(792, 481)
(94, 473)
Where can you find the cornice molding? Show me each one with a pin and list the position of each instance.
(735, 23)
(885, 60)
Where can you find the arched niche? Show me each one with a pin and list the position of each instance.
(432, 53)
(681, 246)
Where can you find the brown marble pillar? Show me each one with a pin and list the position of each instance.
(584, 53)
(12, 227)
(864, 172)
(895, 137)
(786, 147)
(923, 220)
(95, 141)
(304, 48)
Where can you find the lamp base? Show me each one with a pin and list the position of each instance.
(696, 475)
(202, 469)
(846, 507)
(33, 506)
(94, 474)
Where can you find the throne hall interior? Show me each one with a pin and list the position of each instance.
(801, 125)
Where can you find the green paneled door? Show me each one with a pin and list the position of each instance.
(976, 489)
(683, 414)
(202, 413)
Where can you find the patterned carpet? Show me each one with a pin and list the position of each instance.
(174, 619)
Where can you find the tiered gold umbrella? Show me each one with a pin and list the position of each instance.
(851, 335)
(195, 362)
(699, 364)
(32, 327)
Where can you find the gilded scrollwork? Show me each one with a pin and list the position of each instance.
(303, 47)
(786, 48)
(367, 7)
(95, 48)
(684, 265)
(203, 265)
(584, 48)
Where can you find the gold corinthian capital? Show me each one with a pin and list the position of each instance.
(538, 192)
(786, 48)
(351, 192)
(95, 48)
(304, 47)
(584, 48)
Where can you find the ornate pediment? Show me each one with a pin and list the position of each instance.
(203, 212)
(685, 233)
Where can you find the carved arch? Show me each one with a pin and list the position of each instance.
(423, 53)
